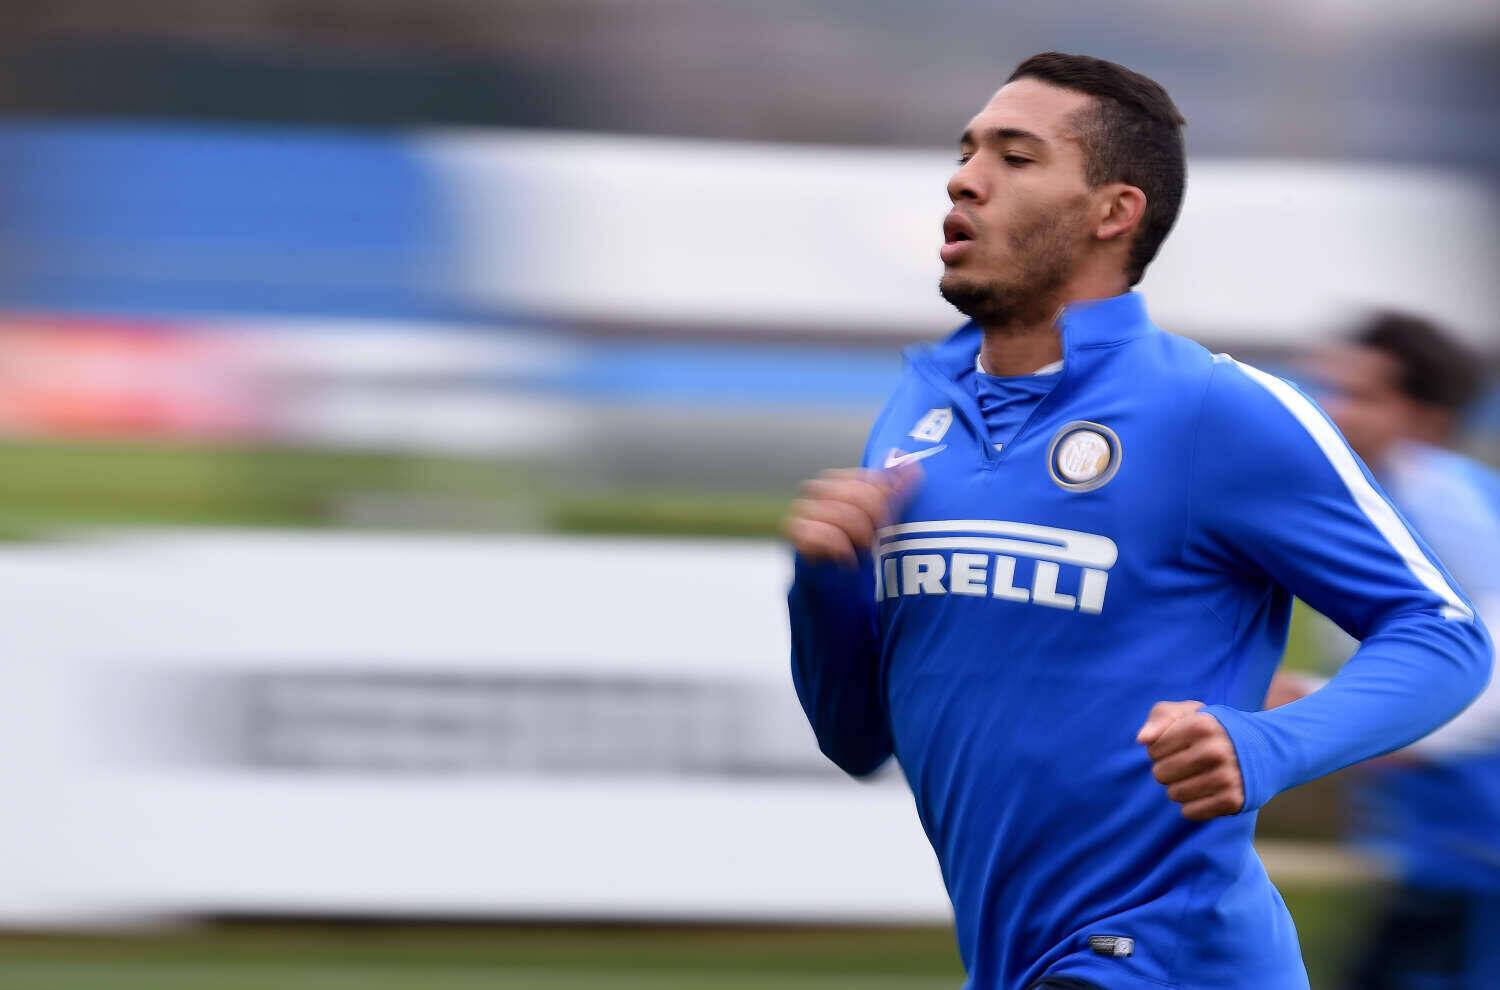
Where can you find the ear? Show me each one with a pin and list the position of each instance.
(1121, 209)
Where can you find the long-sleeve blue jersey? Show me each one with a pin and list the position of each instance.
(1139, 539)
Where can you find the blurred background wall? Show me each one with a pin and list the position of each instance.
(454, 319)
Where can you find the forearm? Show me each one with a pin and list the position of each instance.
(836, 662)
(1406, 680)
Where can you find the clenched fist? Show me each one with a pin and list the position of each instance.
(1192, 755)
(839, 511)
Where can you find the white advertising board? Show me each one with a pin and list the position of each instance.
(241, 722)
(1266, 252)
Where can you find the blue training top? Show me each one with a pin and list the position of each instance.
(1138, 540)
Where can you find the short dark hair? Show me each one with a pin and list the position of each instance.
(1133, 135)
(1434, 368)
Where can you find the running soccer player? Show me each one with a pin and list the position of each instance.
(1397, 389)
(1059, 585)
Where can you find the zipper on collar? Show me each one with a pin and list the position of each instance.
(964, 404)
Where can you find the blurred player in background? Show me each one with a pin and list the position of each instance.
(1397, 389)
(1069, 622)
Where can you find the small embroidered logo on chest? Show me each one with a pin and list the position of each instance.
(933, 426)
(1084, 456)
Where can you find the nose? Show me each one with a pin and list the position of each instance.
(965, 184)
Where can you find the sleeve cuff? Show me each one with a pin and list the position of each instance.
(831, 576)
(1252, 750)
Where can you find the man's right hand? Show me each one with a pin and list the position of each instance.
(839, 511)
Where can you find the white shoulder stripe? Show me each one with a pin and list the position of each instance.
(1370, 502)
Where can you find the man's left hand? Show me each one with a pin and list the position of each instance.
(1193, 756)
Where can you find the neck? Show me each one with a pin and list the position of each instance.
(1020, 350)
(1376, 458)
(1031, 342)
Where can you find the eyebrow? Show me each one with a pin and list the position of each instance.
(1002, 134)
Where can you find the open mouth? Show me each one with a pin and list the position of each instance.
(956, 229)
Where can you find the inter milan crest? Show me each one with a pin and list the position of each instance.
(1084, 456)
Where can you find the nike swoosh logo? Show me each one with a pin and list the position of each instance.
(895, 457)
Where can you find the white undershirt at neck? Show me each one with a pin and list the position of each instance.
(1046, 369)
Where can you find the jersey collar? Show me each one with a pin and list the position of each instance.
(1085, 323)
(1101, 322)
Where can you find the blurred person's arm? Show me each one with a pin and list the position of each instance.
(1477, 728)
(835, 639)
(1445, 498)
(1289, 686)
(1277, 493)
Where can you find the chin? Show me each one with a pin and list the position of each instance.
(954, 281)
(967, 295)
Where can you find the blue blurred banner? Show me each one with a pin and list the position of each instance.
(145, 219)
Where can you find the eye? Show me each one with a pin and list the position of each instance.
(964, 159)
(1016, 161)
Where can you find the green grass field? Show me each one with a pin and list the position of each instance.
(47, 486)
(313, 956)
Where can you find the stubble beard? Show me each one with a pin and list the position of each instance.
(1044, 261)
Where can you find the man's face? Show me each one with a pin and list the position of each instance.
(1359, 388)
(1020, 215)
